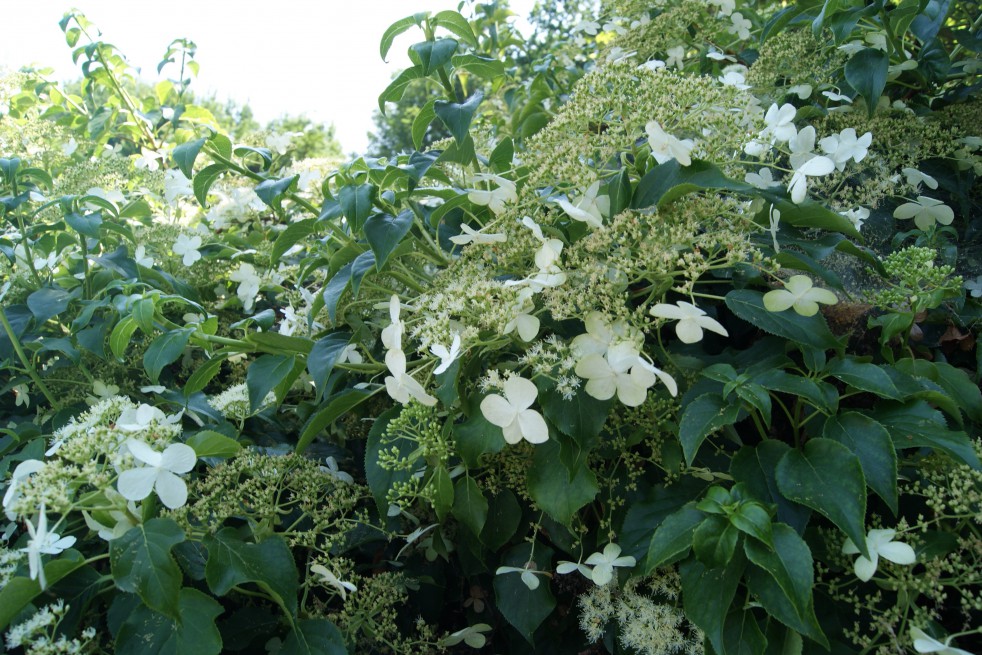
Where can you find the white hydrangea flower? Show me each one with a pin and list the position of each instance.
(880, 543)
(740, 25)
(528, 574)
(665, 146)
(159, 473)
(43, 542)
(798, 293)
(400, 385)
(22, 471)
(915, 178)
(477, 237)
(856, 216)
(176, 186)
(447, 356)
(392, 333)
(691, 320)
(763, 179)
(589, 208)
(511, 412)
(926, 212)
(141, 257)
(779, 123)
(845, 146)
(187, 247)
(676, 56)
(280, 143)
(924, 643)
(618, 372)
(330, 579)
(497, 199)
(249, 284)
(604, 563)
(814, 167)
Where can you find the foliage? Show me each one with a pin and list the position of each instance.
(669, 344)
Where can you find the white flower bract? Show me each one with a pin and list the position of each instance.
(511, 412)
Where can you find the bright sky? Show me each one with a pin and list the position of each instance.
(313, 57)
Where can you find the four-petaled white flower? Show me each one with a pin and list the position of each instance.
(880, 543)
(798, 293)
(925, 212)
(43, 542)
(447, 356)
(68, 149)
(604, 563)
(496, 199)
(402, 386)
(856, 216)
(589, 208)
(141, 257)
(327, 576)
(802, 146)
(846, 145)
(815, 167)
(528, 574)
(470, 635)
(522, 321)
(280, 143)
(159, 474)
(149, 159)
(618, 372)
(665, 146)
(779, 122)
(331, 468)
(974, 287)
(392, 333)
(924, 643)
(188, 248)
(691, 320)
(511, 412)
(676, 56)
(477, 237)
(101, 391)
(135, 419)
(741, 26)
(249, 284)
(915, 178)
(587, 26)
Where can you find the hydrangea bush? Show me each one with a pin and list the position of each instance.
(669, 347)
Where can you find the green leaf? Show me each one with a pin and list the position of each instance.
(810, 330)
(927, 25)
(335, 288)
(142, 564)
(671, 180)
(620, 192)
(359, 268)
(18, 592)
(422, 122)
(741, 634)
(707, 594)
(119, 339)
(820, 394)
(871, 443)
(431, 55)
(954, 381)
(397, 88)
(323, 356)
(143, 311)
(458, 116)
(270, 191)
(754, 467)
(714, 541)
(264, 374)
(866, 71)
(380, 479)
(441, 492)
(864, 376)
(700, 418)
(356, 203)
(47, 303)
(557, 491)
(291, 236)
(790, 564)
(202, 376)
(476, 437)
(582, 417)
(269, 564)
(673, 537)
(397, 28)
(751, 518)
(502, 155)
(336, 406)
(203, 181)
(146, 632)
(87, 225)
(384, 232)
(314, 637)
(165, 350)
(249, 155)
(915, 424)
(209, 443)
(470, 507)
(525, 609)
(489, 69)
(803, 476)
(504, 516)
(185, 154)
(772, 598)
(808, 214)
(453, 22)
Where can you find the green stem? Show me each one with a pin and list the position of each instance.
(28, 365)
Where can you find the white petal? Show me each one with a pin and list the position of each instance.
(179, 458)
(593, 366)
(711, 324)
(533, 426)
(602, 388)
(531, 580)
(143, 452)
(528, 326)
(520, 392)
(498, 411)
(897, 553)
(602, 574)
(688, 331)
(672, 312)
(512, 432)
(865, 568)
(136, 484)
(172, 490)
(778, 300)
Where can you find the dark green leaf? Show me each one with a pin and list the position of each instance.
(165, 350)
(502, 155)
(789, 563)
(397, 28)
(525, 609)
(751, 518)
(203, 181)
(666, 182)
(269, 564)
(422, 122)
(558, 491)
(336, 406)
(489, 69)
(714, 541)
(142, 312)
(772, 598)
(864, 376)
(673, 538)
(431, 55)
(954, 381)
(457, 116)
(707, 595)
(755, 467)
(264, 374)
(476, 437)
(927, 25)
(119, 338)
(397, 88)
(871, 443)
(142, 564)
(314, 637)
(18, 592)
(380, 479)
(384, 232)
(293, 234)
(803, 476)
(470, 507)
(915, 424)
(808, 214)
(185, 154)
(203, 375)
(700, 418)
(48, 302)
(741, 634)
(453, 22)
(146, 632)
(323, 356)
(820, 394)
(359, 268)
(209, 443)
(440, 491)
(87, 224)
(866, 71)
(356, 203)
(504, 516)
(270, 191)
(810, 330)
(334, 289)
(582, 417)
(620, 192)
